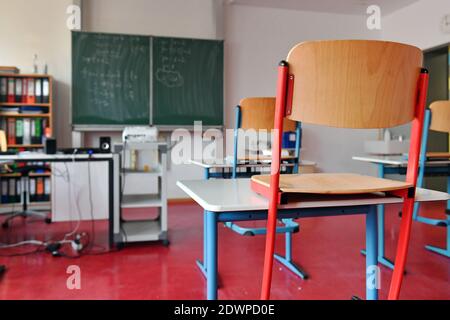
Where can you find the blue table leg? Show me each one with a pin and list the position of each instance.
(444, 251)
(211, 257)
(372, 272)
(381, 258)
(206, 173)
(448, 191)
(199, 262)
(287, 260)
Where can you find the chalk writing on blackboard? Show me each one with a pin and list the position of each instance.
(173, 53)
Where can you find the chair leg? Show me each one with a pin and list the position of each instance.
(25, 214)
(287, 259)
(269, 251)
(402, 249)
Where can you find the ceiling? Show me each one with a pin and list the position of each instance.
(333, 6)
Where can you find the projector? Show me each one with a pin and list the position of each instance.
(140, 134)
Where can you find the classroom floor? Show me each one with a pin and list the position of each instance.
(328, 248)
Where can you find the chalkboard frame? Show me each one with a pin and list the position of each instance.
(162, 127)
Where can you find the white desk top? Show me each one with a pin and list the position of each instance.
(395, 160)
(219, 195)
(35, 156)
(248, 164)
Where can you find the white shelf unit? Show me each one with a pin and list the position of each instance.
(149, 229)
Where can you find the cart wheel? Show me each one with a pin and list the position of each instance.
(5, 225)
(48, 220)
(120, 245)
(166, 242)
(249, 233)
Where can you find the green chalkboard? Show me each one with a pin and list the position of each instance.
(187, 81)
(137, 80)
(110, 79)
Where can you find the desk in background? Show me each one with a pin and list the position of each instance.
(246, 168)
(397, 165)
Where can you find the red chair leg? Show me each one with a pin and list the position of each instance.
(270, 248)
(274, 179)
(402, 249)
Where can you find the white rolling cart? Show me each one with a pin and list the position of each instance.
(144, 185)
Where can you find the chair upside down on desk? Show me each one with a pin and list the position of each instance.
(347, 84)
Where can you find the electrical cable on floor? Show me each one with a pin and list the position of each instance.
(55, 246)
(91, 210)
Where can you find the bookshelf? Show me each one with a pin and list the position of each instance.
(25, 109)
(26, 106)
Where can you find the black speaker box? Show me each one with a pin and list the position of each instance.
(50, 146)
(105, 144)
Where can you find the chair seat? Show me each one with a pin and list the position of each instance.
(438, 155)
(332, 183)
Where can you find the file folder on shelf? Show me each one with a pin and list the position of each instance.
(3, 89)
(47, 188)
(11, 90)
(18, 90)
(19, 131)
(36, 130)
(5, 192)
(32, 189)
(26, 131)
(30, 93)
(11, 131)
(24, 90)
(45, 90)
(38, 90)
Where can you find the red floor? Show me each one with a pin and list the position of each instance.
(328, 248)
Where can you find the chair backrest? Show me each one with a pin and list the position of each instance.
(3, 143)
(258, 113)
(354, 83)
(440, 116)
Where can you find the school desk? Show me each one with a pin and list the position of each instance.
(245, 168)
(397, 165)
(113, 163)
(224, 171)
(226, 200)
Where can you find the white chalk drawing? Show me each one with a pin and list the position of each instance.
(173, 54)
(170, 78)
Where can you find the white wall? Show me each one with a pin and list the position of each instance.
(39, 27)
(418, 24)
(181, 18)
(257, 38)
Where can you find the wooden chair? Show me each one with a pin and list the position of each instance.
(347, 84)
(437, 118)
(440, 121)
(258, 113)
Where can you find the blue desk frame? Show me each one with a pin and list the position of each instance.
(212, 219)
(424, 170)
(290, 227)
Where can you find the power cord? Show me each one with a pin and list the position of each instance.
(55, 247)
